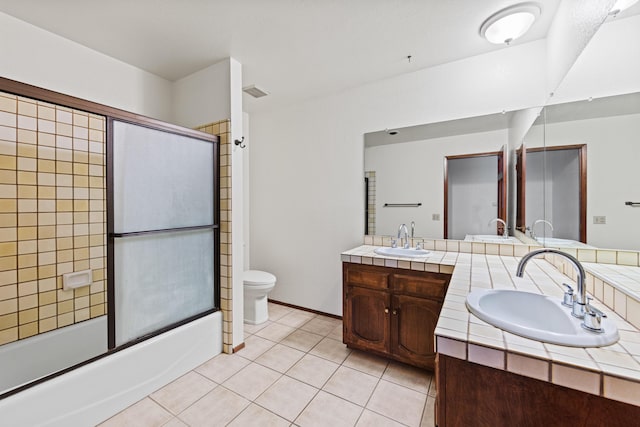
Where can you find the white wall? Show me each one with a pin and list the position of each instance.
(32, 55)
(307, 161)
(237, 197)
(414, 172)
(203, 97)
(575, 23)
(473, 196)
(565, 204)
(609, 65)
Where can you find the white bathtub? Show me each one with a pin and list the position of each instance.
(52, 351)
(92, 393)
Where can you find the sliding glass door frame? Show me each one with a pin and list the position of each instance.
(112, 235)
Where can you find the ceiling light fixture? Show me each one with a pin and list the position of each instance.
(255, 91)
(508, 24)
(621, 5)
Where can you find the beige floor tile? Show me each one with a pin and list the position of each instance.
(331, 350)
(428, 416)
(275, 332)
(287, 397)
(328, 410)
(175, 422)
(218, 407)
(371, 419)
(255, 416)
(336, 333)
(252, 329)
(301, 340)
(313, 370)
(222, 367)
(254, 346)
(143, 413)
(351, 385)
(184, 391)
(276, 311)
(296, 318)
(414, 378)
(367, 363)
(251, 381)
(321, 325)
(280, 358)
(398, 403)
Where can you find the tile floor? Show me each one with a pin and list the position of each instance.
(294, 371)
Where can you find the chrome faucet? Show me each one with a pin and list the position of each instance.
(533, 234)
(505, 233)
(406, 235)
(580, 299)
(413, 228)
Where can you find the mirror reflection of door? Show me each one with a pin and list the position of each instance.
(474, 194)
(556, 191)
(521, 173)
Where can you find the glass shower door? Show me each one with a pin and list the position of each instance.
(163, 230)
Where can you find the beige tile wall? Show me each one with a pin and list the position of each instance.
(222, 129)
(52, 215)
(371, 203)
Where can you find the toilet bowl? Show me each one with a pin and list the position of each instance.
(257, 284)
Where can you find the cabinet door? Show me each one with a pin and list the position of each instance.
(413, 322)
(366, 318)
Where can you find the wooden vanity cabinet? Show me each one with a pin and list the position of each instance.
(392, 312)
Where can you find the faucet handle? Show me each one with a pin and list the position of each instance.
(592, 318)
(568, 296)
(394, 243)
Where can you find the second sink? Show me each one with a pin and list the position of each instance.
(537, 317)
(410, 252)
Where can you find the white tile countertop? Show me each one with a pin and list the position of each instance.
(612, 371)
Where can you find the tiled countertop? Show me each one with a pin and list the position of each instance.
(612, 371)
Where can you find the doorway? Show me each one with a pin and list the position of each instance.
(474, 193)
(552, 185)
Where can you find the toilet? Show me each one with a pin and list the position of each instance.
(257, 284)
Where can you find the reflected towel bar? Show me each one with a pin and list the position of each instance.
(402, 205)
(632, 203)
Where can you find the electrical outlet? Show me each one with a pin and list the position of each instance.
(435, 217)
(599, 219)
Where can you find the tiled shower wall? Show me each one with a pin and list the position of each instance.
(52, 215)
(371, 201)
(223, 129)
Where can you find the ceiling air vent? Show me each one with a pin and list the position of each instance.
(254, 91)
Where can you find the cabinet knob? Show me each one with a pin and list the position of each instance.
(395, 311)
(386, 310)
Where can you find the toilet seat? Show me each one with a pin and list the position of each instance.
(258, 278)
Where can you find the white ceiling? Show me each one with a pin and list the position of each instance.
(294, 49)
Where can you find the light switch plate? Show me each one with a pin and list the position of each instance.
(435, 217)
(599, 219)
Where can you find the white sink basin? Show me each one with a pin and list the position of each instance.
(395, 252)
(490, 238)
(537, 317)
(561, 243)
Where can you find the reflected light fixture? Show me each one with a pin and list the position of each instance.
(508, 24)
(621, 5)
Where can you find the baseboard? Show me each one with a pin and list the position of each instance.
(305, 309)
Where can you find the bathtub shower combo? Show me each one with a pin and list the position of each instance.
(162, 291)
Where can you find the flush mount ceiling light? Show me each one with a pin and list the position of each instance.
(621, 5)
(510, 23)
(255, 91)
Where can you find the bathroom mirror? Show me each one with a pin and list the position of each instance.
(609, 128)
(598, 105)
(406, 169)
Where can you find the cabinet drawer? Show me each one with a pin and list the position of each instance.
(432, 286)
(369, 277)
